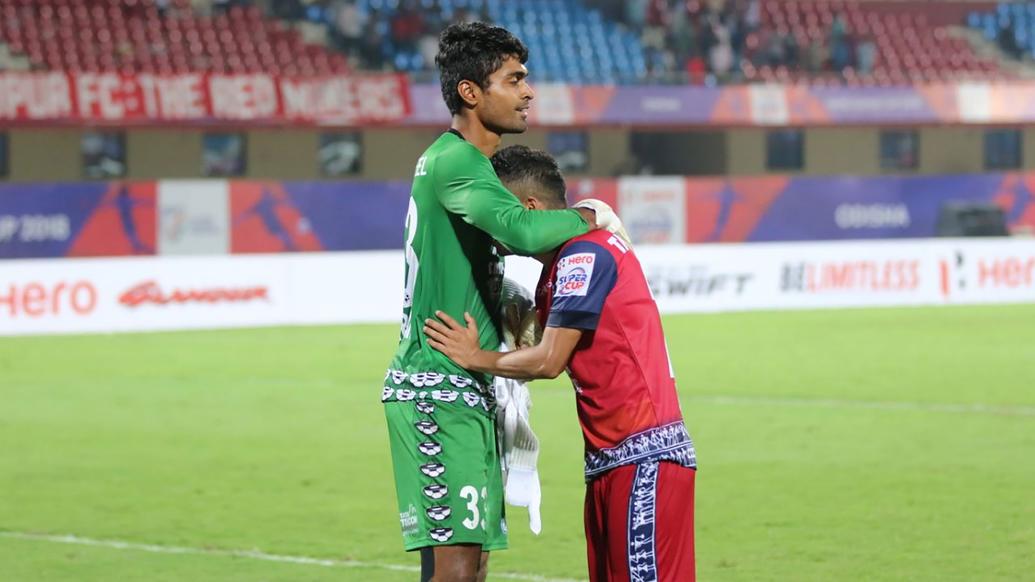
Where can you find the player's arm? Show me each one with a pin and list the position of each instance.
(467, 186)
(460, 343)
(586, 273)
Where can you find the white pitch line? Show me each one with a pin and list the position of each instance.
(977, 408)
(250, 554)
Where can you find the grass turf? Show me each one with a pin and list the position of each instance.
(826, 451)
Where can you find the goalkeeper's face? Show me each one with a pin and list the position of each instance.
(506, 99)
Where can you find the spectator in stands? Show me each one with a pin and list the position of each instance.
(682, 36)
(682, 40)
(776, 48)
(791, 51)
(636, 14)
(371, 51)
(462, 15)
(407, 27)
(752, 15)
(721, 55)
(840, 47)
(739, 30)
(1007, 39)
(220, 6)
(287, 9)
(866, 55)
(657, 14)
(696, 69)
(609, 9)
(202, 7)
(349, 23)
(815, 57)
(707, 36)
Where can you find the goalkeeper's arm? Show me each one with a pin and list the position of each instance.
(460, 343)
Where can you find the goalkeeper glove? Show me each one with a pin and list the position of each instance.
(606, 218)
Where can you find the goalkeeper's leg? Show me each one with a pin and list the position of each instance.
(449, 563)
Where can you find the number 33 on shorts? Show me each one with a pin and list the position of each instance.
(470, 493)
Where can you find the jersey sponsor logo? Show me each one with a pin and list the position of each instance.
(578, 259)
(574, 273)
(441, 534)
(433, 469)
(436, 491)
(429, 448)
(426, 427)
(425, 407)
(408, 521)
(439, 512)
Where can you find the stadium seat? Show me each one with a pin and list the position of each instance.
(130, 36)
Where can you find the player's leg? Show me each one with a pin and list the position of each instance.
(607, 524)
(674, 531)
(595, 522)
(427, 564)
(453, 569)
(483, 567)
(649, 524)
(456, 565)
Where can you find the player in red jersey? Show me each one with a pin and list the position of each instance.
(601, 323)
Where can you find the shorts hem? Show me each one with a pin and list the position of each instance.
(421, 545)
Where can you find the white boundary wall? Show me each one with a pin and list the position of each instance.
(167, 293)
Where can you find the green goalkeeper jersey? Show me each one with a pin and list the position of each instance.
(457, 208)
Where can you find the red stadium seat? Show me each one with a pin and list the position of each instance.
(911, 37)
(95, 35)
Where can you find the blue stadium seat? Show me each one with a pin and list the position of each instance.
(568, 40)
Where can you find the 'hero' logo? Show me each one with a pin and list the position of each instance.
(579, 259)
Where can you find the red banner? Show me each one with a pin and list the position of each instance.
(203, 98)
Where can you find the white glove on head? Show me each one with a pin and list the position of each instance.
(606, 217)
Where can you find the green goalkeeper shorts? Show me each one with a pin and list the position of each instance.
(447, 474)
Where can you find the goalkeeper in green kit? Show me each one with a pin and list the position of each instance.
(441, 417)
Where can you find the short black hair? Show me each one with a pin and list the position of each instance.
(473, 52)
(518, 164)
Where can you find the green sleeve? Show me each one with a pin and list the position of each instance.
(467, 186)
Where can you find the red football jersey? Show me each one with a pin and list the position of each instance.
(624, 384)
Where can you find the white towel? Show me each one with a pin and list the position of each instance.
(520, 449)
(519, 445)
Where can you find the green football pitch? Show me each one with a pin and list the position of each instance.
(856, 445)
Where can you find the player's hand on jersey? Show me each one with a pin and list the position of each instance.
(457, 342)
(606, 217)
